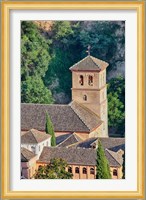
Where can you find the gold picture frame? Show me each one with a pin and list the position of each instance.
(5, 121)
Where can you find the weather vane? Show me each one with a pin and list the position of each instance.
(88, 49)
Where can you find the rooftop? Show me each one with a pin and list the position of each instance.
(113, 144)
(71, 139)
(112, 148)
(72, 156)
(26, 155)
(66, 118)
(34, 136)
(89, 63)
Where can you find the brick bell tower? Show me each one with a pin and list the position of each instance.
(89, 87)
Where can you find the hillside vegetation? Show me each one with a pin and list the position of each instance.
(49, 48)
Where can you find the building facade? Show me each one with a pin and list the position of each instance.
(35, 140)
(89, 87)
(77, 126)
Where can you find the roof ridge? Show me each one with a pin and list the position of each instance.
(79, 62)
(76, 136)
(64, 140)
(94, 140)
(33, 135)
(79, 116)
(113, 156)
(73, 144)
(90, 111)
(91, 57)
(24, 156)
(44, 104)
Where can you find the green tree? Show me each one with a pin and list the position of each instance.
(50, 130)
(103, 169)
(69, 45)
(33, 90)
(116, 104)
(34, 64)
(61, 29)
(54, 170)
(115, 110)
(105, 38)
(34, 51)
(65, 52)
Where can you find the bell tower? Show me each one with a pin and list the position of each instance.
(89, 87)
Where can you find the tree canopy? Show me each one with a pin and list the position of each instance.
(34, 51)
(55, 170)
(103, 169)
(33, 90)
(116, 104)
(50, 130)
(34, 64)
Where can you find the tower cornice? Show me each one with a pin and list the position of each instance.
(90, 89)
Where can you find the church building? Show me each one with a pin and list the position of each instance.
(78, 126)
(86, 115)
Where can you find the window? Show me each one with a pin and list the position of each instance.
(91, 170)
(85, 97)
(115, 172)
(39, 148)
(84, 170)
(33, 149)
(90, 80)
(47, 143)
(69, 169)
(81, 80)
(77, 170)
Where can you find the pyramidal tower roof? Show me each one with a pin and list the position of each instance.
(89, 63)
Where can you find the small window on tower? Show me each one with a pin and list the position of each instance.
(90, 80)
(85, 97)
(81, 80)
(115, 173)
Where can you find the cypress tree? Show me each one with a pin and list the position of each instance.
(103, 169)
(50, 130)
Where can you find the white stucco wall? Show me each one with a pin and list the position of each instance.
(37, 148)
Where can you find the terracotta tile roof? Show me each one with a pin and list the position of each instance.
(112, 161)
(34, 136)
(89, 63)
(65, 118)
(84, 144)
(90, 119)
(26, 155)
(112, 147)
(72, 156)
(73, 138)
(113, 144)
(61, 138)
(116, 156)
